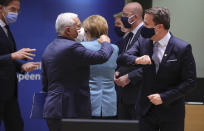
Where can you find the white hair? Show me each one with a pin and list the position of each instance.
(64, 20)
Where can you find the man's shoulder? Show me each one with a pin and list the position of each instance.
(143, 41)
(178, 43)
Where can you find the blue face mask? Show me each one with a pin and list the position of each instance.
(147, 32)
(118, 31)
(125, 21)
(11, 17)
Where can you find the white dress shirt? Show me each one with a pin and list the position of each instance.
(159, 49)
(162, 45)
(134, 33)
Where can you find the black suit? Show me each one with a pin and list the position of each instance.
(175, 78)
(9, 108)
(127, 96)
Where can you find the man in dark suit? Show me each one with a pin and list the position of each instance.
(65, 66)
(9, 108)
(171, 75)
(129, 78)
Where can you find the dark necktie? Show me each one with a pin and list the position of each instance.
(128, 40)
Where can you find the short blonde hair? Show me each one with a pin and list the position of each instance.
(96, 26)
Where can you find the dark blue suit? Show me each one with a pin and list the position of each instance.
(176, 77)
(66, 77)
(128, 95)
(9, 108)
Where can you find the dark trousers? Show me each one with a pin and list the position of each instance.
(153, 121)
(10, 114)
(126, 111)
(54, 124)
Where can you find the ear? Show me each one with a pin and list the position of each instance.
(161, 26)
(67, 31)
(136, 16)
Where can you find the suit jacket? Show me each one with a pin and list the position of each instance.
(101, 83)
(8, 67)
(175, 78)
(129, 94)
(65, 74)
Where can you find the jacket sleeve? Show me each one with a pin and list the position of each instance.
(188, 78)
(128, 58)
(5, 59)
(18, 67)
(89, 57)
(136, 75)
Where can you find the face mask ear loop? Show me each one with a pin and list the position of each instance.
(130, 18)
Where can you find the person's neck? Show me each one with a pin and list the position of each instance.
(67, 37)
(160, 36)
(137, 22)
(91, 39)
(2, 18)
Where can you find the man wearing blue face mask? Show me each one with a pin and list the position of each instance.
(168, 79)
(129, 78)
(9, 108)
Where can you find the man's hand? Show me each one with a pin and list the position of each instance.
(116, 80)
(121, 81)
(25, 53)
(143, 60)
(30, 66)
(155, 99)
(104, 38)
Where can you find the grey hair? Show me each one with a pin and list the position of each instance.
(64, 20)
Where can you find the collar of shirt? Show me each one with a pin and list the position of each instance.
(2, 24)
(137, 28)
(165, 40)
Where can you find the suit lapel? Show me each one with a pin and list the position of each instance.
(5, 39)
(135, 38)
(11, 39)
(125, 42)
(167, 52)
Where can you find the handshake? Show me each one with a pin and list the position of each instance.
(143, 60)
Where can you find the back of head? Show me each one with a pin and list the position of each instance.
(64, 20)
(6, 2)
(96, 26)
(161, 15)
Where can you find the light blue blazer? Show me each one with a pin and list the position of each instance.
(101, 83)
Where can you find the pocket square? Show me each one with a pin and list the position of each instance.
(172, 60)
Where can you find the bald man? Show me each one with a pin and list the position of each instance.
(129, 78)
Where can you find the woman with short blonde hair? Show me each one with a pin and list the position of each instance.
(95, 26)
(101, 82)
